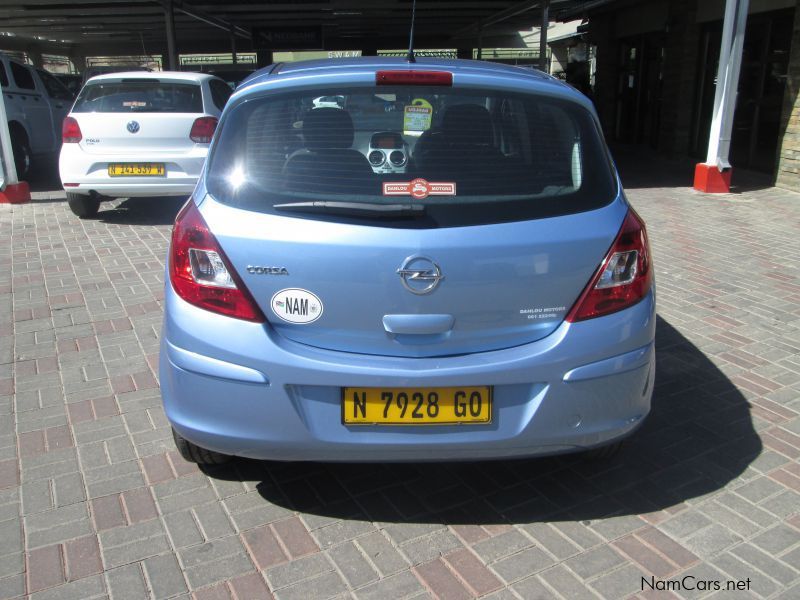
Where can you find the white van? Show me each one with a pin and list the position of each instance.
(36, 104)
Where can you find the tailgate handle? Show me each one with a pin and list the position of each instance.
(417, 324)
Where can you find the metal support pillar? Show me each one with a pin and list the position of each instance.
(264, 58)
(715, 174)
(78, 59)
(233, 45)
(36, 58)
(8, 171)
(543, 36)
(12, 190)
(169, 22)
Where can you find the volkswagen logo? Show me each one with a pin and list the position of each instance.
(420, 274)
(133, 126)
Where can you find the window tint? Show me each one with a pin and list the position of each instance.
(55, 89)
(460, 157)
(3, 76)
(148, 96)
(22, 76)
(220, 92)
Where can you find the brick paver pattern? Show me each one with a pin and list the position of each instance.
(95, 501)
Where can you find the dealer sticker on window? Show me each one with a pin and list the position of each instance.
(417, 117)
(419, 188)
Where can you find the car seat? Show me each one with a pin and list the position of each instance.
(328, 163)
(462, 148)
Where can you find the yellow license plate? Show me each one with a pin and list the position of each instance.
(136, 169)
(416, 406)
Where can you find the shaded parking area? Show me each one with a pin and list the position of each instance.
(95, 501)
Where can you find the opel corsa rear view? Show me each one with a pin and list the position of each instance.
(443, 266)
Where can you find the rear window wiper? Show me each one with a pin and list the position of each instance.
(369, 209)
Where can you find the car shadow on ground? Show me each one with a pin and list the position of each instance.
(698, 437)
(141, 211)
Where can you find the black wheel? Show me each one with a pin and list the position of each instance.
(83, 205)
(23, 159)
(603, 453)
(196, 454)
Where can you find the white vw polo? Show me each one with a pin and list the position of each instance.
(138, 134)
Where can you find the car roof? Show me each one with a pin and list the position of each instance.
(455, 66)
(526, 77)
(151, 75)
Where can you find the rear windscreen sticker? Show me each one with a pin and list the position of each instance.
(419, 188)
(417, 117)
(295, 305)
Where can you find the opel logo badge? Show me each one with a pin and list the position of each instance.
(133, 126)
(420, 274)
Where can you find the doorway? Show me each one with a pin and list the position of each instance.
(639, 89)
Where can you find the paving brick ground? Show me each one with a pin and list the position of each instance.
(95, 502)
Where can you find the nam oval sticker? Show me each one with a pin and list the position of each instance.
(295, 305)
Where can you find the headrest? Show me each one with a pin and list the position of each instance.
(327, 129)
(468, 124)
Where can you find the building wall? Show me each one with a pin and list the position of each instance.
(678, 19)
(714, 10)
(559, 57)
(788, 168)
(602, 33)
(683, 24)
(680, 73)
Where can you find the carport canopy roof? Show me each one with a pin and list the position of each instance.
(116, 27)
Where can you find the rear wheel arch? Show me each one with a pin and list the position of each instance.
(17, 128)
(20, 148)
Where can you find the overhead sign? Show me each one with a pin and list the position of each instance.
(287, 38)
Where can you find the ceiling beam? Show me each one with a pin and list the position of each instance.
(186, 9)
(204, 25)
(498, 17)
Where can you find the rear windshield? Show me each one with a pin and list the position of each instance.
(437, 156)
(140, 96)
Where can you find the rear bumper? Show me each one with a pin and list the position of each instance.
(258, 395)
(82, 173)
(133, 190)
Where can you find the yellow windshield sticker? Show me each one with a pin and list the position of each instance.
(417, 117)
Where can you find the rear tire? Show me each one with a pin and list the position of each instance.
(23, 158)
(82, 205)
(196, 454)
(603, 453)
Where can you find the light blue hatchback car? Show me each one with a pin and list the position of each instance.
(442, 266)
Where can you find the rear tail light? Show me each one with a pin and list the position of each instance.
(70, 131)
(203, 130)
(200, 272)
(413, 78)
(623, 278)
